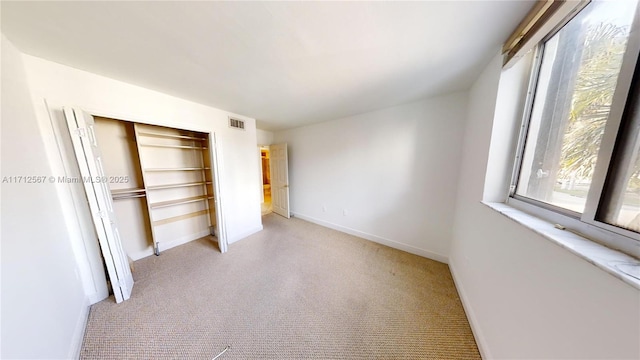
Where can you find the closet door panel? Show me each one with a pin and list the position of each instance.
(82, 130)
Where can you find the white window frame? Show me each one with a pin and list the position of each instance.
(584, 224)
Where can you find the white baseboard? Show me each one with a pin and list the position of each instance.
(377, 239)
(98, 296)
(242, 235)
(137, 255)
(78, 333)
(166, 245)
(471, 316)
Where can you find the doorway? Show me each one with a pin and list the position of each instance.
(266, 207)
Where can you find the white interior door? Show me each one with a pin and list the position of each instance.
(279, 163)
(96, 185)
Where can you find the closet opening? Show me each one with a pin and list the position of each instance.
(161, 183)
(151, 188)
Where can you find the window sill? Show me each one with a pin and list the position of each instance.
(599, 255)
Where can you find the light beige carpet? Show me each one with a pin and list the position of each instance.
(296, 290)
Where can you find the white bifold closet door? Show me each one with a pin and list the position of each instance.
(85, 146)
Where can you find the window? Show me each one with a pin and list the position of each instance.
(579, 152)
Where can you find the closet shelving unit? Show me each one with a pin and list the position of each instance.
(190, 151)
(161, 204)
(166, 189)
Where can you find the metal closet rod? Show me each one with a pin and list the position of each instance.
(128, 196)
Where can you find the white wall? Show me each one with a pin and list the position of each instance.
(393, 171)
(526, 297)
(264, 137)
(43, 301)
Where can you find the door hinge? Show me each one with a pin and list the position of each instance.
(102, 214)
(81, 132)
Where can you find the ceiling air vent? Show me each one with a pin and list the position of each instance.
(235, 123)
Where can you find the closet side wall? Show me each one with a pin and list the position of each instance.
(122, 166)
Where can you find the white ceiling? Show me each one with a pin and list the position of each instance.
(284, 63)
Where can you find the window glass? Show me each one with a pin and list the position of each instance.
(620, 205)
(576, 82)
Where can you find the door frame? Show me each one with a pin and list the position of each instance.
(221, 227)
(76, 210)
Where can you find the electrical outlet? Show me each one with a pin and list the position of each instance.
(324, 208)
(345, 212)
